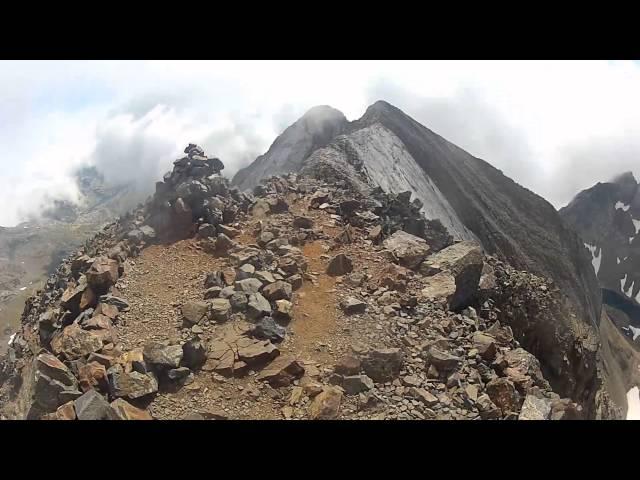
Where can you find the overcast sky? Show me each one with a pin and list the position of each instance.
(555, 127)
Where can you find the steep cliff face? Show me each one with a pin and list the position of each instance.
(388, 149)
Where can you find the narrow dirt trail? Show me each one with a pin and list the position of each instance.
(314, 312)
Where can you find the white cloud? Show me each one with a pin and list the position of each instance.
(555, 127)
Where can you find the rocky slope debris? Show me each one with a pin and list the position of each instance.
(237, 339)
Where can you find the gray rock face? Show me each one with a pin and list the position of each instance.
(93, 406)
(257, 306)
(248, 285)
(464, 261)
(408, 250)
(131, 385)
(267, 329)
(164, 356)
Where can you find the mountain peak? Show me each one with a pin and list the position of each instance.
(625, 178)
(323, 110)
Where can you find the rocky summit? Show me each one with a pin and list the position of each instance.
(332, 290)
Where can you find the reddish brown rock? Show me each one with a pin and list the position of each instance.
(102, 274)
(74, 342)
(93, 375)
(125, 411)
(282, 371)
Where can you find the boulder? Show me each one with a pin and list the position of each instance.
(283, 312)
(102, 274)
(264, 276)
(485, 345)
(118, 302)
(194, 354)
(245, 271)
(238, 302)
(326, 405)
(339, 265)
(424, 396)
(488, 410)
(178, 374)
(93, 406)
(131, 385)
(264, 238)
(464, 260)
(224, 244)
(440, 287)
(348, 365)
(352, 305)
(535, 408)
(383, 365)
(406, 249)
(355, 384)
(54, 369)
(282, 371)
(524, 370)
(220, 309)
(163, 356)
(279, 290)
(74, 342)
(504, 395)
(194, 312)
(229, 231)
(78, 297)
(125, 411)
(443, 361)
(93, 375)
(267, 329)
(64, 412)
(206, 230)
(248, 285)
(256, 352)
(257, 306)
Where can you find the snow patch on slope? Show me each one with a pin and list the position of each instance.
(635, 331)
(595, 259)
(622, 206)
(636, 223)
(388, 163)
